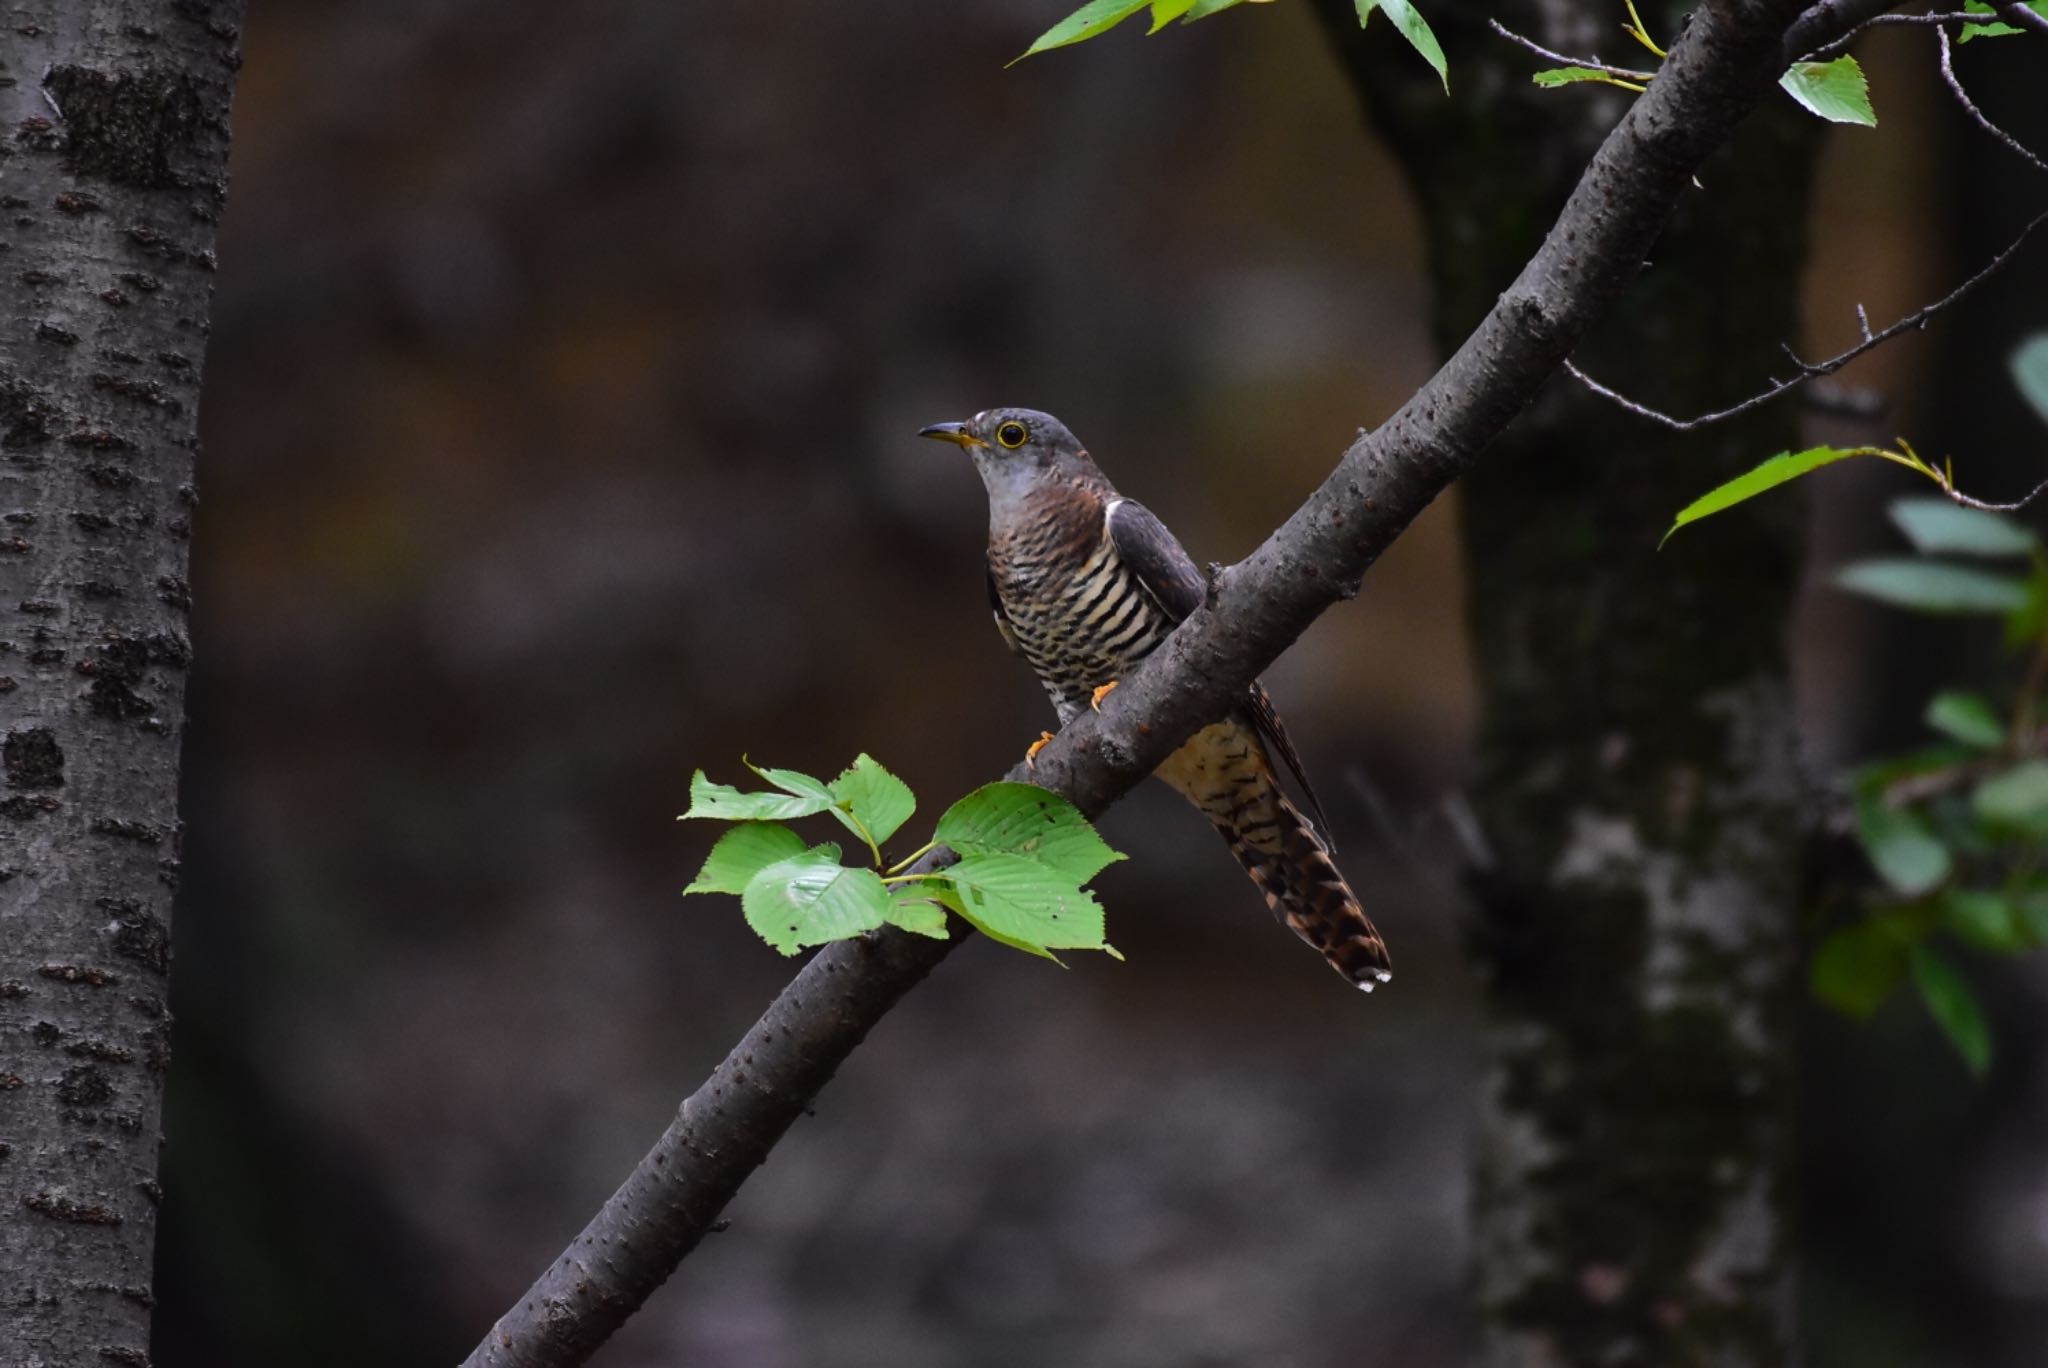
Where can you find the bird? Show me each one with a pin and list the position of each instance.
(1085, 583)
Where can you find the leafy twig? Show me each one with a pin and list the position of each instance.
(1587, 63)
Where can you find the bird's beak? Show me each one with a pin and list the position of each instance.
(956, 433)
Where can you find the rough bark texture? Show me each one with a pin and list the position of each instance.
(113, 155)
(1727, 62)
(1638, 784)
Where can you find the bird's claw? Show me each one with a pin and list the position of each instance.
(1095, 699)
(1031, 756)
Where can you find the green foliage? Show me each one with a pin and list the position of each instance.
(1836, 91)
(1782, 468)
(1100, 16)
(1953, 1007)
(1997, 28)
(1833, 90)
(1954, 833)
(2030, 369)
(1787, 466)
(1413, 27)
(1025, 854)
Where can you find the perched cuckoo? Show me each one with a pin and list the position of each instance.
(1084, 584)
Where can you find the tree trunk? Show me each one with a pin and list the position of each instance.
(1638, 788)
(112, 179)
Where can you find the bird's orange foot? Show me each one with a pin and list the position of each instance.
(1031, 756)
(1095, 699)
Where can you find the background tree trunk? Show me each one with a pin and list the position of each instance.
(112, 178)
(1637, 787)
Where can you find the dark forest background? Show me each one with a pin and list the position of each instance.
(559, 417)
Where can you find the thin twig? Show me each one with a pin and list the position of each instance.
(1619, 73)
(2014, 507)
(1955, 88)
(1810, 370)
(1942, 21)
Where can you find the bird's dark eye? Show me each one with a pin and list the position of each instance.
(1011, 435)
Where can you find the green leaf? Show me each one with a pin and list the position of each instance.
(1932, 586)
(1165, 12)
(811, 898)
(720, 800)
(1877, 776)
(1954, 1008)
(742, 853)
(1022, 819)
(2030, 369)
(2016, 799)
(1996, 29)
(2032, 912)
(1967, 717)
(794, 782)
(1942, 525)
(920, 907)
(1837, 90)
(1097, 16)
(1413, 27)
(1202, 9)
(1023, 903)
(875, 798)
(1856, 969)
(1782, 468)
(1901, 848)
(1985, 918)
(1559, 76)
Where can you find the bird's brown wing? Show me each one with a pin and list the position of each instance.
(1169, 574)
(995, 606)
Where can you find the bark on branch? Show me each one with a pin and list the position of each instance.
(1728, 59)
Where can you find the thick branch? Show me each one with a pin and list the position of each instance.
(1728, 59)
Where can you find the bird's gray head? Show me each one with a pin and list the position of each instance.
(1016, 450)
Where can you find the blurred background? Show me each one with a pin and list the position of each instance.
(560, 412)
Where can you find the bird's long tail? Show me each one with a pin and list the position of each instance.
(1224, 771)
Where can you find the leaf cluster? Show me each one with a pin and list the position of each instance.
(1025, 854)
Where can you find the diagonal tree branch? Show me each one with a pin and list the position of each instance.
(1727, 60)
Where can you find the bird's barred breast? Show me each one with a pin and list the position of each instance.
(1078, 625)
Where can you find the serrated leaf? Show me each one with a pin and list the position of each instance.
(742, 853)
(2030, 369)
(876, 799)
(1561, 76)
(1097, 16)
(1413, 27)
(1021, 819)
(1903, 851)
(811, 898)
(793, 782)
(1985, 918)
(1954, 1008)
(1995, 28)
(2016, 799)
(1837, 91)
(1202, 9)
(1782, 468)
(723, 801)
(920, 907)
(1024, 903)
(1165, 12)
(1856, 969)
(1967, 717)
(1932, 586)
(1942, 525)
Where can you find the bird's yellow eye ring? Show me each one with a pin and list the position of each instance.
(1012, 435)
